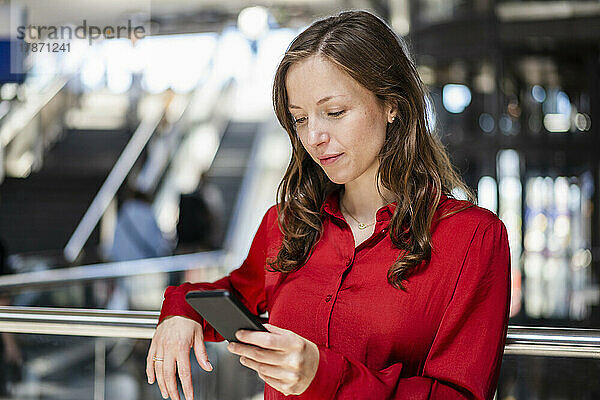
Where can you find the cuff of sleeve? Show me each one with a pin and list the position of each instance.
(175, 304)
(328, 377)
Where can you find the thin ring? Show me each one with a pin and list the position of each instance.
(157, 358)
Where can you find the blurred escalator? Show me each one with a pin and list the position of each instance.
(39, 213)
(230, 166)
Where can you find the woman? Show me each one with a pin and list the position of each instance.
(377, 282)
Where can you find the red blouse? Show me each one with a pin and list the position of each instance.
(441, 339)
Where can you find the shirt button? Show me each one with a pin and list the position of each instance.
(328, 298)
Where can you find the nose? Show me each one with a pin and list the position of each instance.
(317, 134)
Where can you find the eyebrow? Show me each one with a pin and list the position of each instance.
(323, 100)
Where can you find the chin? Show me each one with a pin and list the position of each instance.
(340, 180)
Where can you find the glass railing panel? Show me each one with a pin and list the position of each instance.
(535, 377)
(56, 367)
(78, 367)
(77, 353)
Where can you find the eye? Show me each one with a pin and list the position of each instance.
(337, 114)
(299, 120)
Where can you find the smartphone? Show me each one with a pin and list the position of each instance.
(224, 312)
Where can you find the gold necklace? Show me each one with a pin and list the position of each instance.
(360, 224)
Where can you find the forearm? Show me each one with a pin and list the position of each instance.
(340, 377)
(176, 305)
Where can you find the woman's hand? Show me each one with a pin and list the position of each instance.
(283, 359)
(171, 343)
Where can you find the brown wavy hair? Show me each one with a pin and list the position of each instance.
(414, 164)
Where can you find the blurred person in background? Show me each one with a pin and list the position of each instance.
(137, 235)
(201, 221)
(377, 282)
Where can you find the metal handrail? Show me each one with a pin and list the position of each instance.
(61, 277)
(113, 182)
(521, 340)
(27, 111)
(78, 322)
(553, 341)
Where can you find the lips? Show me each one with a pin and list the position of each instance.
(330, 159)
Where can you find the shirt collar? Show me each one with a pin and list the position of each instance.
(385, 213)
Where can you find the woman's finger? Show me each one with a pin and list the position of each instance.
(276, 384)
(160, 379)
(200, 351)
(266, 356)
(273, 371)
(266, 340)
(275, 329)
(170, 372)
(185, 374)
(150, 363)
